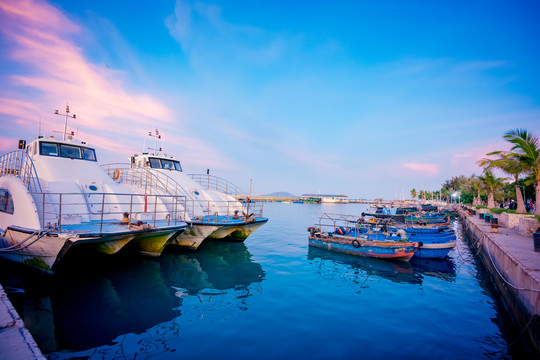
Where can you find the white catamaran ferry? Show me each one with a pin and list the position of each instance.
(55, 197)
(211, 210)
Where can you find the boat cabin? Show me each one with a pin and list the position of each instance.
(63, 149)
(156, 162)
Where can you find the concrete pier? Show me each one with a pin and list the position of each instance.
(16, 343)
(515, 269)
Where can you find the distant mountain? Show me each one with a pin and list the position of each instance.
(281, 194)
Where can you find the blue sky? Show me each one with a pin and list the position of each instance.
(362, 98)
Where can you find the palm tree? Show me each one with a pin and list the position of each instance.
(444, 193)
(512, 164)
(491, 183)
(476, 188)
(413, 193)
(527, 147)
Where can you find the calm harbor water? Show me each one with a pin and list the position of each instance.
(270, 297)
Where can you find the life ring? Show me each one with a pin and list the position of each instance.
(355, 243)
(116, 174)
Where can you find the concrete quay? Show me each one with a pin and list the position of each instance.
(514, 267)
(16, 343)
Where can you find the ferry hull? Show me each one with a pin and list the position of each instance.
(41, 254)
(242, 232)
(238, 232)
(193, 236)
(44, 251)
(152, 242)
(373, 249)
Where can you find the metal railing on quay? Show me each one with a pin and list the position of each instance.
(56, 209)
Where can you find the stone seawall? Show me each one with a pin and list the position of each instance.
(515, 269)
(16, 343)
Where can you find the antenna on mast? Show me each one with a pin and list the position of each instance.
(157, 136)
(66, 114)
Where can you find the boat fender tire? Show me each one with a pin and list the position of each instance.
(355, 243)
(116, 174)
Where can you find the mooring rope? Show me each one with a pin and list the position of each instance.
(18, 247)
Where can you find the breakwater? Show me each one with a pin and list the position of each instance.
(514, 268)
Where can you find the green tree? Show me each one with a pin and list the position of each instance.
(512, 164)
(491, 184)
(526, 146)
(476, 188)
(413, 193)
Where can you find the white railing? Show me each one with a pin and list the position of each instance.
(57, 210)
(211, 182)
(149, 181)
(19, 164)
(155, 182)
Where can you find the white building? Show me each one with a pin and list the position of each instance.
(327, 198)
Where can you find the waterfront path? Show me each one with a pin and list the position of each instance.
(515, 268)
(16, 343)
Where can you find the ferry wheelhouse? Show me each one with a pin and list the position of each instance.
(55, 197)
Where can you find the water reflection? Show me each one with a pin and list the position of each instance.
(92, 302)
(412, 272)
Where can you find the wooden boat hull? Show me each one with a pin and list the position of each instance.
(434, 250)
(358, 246)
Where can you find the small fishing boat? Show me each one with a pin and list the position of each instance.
(397, 214)
(56, 197)
(341, 233)
(434, 242)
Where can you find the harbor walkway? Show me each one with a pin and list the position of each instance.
(16, 343)
(515, 269)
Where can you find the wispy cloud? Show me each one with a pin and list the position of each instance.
(207, 37)
(8, 144)
(430, 169)
(40, 38)
(109, 114)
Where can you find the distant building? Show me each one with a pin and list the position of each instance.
(326, 198)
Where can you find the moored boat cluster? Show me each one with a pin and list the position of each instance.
(56, 197)
(418, 234)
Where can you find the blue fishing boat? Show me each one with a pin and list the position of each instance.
(332, 233)
(434, 242)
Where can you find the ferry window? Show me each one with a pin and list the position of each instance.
(89, 154)
(6, 202)
(49, 149)
(177, 166)
(168, 164)
(155, 163)
(69, 151)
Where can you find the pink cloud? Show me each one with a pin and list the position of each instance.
(8, 144)
(431, 169)
(39, 38)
